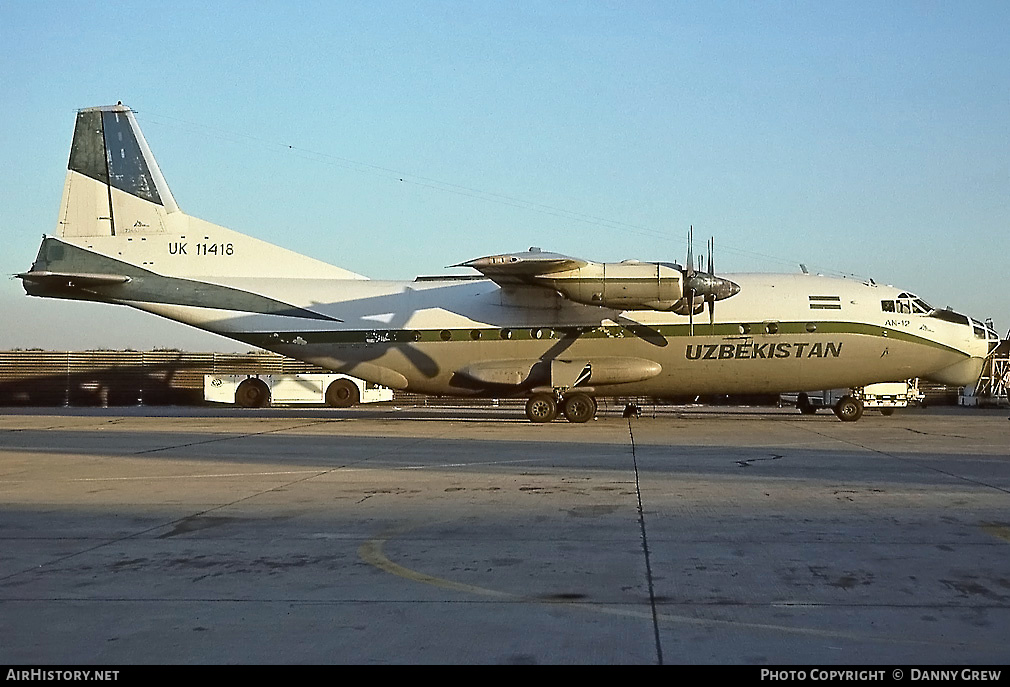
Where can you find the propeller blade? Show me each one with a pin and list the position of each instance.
(690, 312)
(690, 251)
(710, 299)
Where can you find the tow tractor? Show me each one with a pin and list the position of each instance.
(849, 404)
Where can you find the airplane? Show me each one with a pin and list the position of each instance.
(557, 330)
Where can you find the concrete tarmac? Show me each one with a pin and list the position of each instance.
(385, 535)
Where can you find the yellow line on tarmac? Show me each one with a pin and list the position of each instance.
(371, 552)
(997, 529)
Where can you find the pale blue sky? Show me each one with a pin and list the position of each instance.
(868, 138)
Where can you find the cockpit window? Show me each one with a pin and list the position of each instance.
(950, 316)
(907, 303)
(979, 333)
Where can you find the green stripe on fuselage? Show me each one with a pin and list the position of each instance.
(658, 335)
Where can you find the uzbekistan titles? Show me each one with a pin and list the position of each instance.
(754, 351)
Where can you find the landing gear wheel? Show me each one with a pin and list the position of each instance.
(849, 409)
(541, 408)
(342, 393)
(252, 393)
(579, 407)
(887, 412)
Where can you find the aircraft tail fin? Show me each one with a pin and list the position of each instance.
(116, 202)
(113, 185)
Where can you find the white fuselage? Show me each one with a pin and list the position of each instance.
(780, 333)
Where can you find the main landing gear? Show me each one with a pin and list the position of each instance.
(577, 407)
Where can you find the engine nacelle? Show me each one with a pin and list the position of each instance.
(629, 285)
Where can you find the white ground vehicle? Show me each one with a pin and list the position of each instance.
(258, 391)
(849, 404)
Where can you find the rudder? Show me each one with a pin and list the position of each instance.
(113, 185)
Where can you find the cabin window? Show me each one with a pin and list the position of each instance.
(445, 334)
(772, 328)
(506, 333)
(537, 333)
(811, 327)
(475, 334)
(745, 329)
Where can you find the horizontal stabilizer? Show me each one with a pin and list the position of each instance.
(64, 270)
(72, 279)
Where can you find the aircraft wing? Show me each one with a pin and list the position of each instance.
(626, 285)
(522, 268)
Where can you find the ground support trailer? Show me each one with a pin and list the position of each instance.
(849, 404)
(258, 391)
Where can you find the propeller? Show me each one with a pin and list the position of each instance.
(704, 283)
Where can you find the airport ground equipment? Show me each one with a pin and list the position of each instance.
(258, 391)
(993, 386)
(849, 404)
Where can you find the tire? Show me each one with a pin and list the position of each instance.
(541, 408)
(342, 393)
(849, 409)
(887, 412)
(579, 407)
(252, 393)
